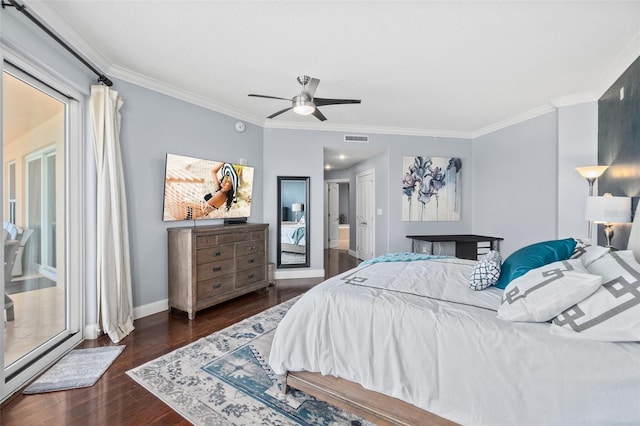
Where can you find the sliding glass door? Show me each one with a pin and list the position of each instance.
(42, 309)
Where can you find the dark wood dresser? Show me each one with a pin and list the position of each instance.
(211, 264)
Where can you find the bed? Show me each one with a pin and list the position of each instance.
(380, 342)
(292, 237)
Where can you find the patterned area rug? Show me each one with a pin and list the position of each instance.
(225, 379)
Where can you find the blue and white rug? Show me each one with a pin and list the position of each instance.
(225, 379)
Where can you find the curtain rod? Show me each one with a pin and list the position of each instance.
(23, 9)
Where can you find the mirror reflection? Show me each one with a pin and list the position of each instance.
(293, 222)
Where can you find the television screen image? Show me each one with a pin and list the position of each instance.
(196, 188)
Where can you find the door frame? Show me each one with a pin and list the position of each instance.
(72, 270)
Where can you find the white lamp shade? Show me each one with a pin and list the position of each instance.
(608, 209)
(593, 172)
(296, 207)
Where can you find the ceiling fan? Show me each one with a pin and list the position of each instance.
(304, 103)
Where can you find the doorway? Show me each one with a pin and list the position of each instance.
(42, 304)
(337, 217)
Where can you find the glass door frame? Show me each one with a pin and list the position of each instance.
(73, 268)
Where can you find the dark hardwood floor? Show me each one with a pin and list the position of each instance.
(116, 399)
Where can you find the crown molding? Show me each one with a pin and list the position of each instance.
(628, 55)
(578, 98)
(166, 89)
(536, 112)
(352, 128)
(46, 14)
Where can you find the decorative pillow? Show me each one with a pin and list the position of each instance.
(612, 313)
(534, 256)
(542, 293)
(588, 252)
(486, 272)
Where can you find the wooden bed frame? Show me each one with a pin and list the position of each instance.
(373, 406)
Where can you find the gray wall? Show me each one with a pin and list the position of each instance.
(390, 230)
(343, 201)
(619, 145)
(577, 147)
(152, 126)
(515, 188)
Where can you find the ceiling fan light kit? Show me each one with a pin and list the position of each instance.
(303, 106)
(304, 103)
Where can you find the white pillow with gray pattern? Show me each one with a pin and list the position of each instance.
(588, 252)
(544, 292)
(487, 271)
(612, 313)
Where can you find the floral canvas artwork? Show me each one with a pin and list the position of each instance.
(431, 188)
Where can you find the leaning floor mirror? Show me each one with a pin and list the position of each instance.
(293, 222)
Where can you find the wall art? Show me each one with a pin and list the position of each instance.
(431, 188)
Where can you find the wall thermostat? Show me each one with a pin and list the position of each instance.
(240, 126)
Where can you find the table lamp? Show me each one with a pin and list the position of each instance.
(608, 210)
(296, 207)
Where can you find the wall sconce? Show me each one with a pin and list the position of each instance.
(591, 174)
(608, 210)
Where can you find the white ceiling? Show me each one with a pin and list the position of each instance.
(452, 68)
(25, 108)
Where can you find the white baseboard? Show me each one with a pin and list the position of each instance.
(150, 309)
(298, 273)
(352, 253)
(92, 331)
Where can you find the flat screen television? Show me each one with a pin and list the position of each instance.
(196, 189)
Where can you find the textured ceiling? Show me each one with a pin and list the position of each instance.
(420, 67)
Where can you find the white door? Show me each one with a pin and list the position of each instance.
(365, 235)
(334, 213)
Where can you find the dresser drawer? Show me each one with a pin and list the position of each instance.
(258, 235)
(250, 247)
(233, 237)
(251, 261)
(204, 241)
(250, 276)
(214, 254)
(215, 287)
(206, 271)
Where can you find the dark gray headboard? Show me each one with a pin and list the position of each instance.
(619, 144)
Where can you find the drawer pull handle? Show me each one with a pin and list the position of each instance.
(251, 276)
(215, 286)
(217, 268)
(252, 248)
(216, 254)
(251, 260)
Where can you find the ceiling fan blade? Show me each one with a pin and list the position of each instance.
(269, 97)
(279, 112)
(317, 114)
(324, 101)
(311, 86)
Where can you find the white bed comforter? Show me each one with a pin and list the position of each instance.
(416, 331)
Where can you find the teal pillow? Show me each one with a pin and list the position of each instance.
(534, 256)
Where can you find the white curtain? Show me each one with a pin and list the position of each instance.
(115, 306)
